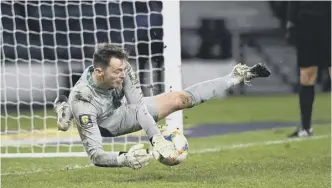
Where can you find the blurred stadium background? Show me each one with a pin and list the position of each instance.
(211, 38)
(46, 45)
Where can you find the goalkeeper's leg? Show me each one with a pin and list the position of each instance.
(168, 103)
(125, 121)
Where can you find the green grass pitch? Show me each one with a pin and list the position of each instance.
(257, 159)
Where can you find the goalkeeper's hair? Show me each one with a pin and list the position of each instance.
(105, 51)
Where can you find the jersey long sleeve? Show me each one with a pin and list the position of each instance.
(134, 95)
(85, 115)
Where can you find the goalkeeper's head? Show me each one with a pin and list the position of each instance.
(109, 62)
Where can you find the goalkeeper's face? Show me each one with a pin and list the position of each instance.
(114, 74)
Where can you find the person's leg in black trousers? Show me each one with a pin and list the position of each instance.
(313, 51)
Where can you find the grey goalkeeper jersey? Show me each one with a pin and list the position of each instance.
(92, 105)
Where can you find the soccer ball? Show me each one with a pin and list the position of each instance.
(181, 144)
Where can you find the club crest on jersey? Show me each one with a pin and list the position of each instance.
(85, 121)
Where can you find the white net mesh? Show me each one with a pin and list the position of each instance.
(46, 45)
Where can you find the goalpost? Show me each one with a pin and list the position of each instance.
(45, 46)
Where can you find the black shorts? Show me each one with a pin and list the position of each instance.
(313, 43)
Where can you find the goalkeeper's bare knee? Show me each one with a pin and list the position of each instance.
(172, 101)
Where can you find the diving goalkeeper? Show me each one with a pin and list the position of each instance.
(95, 103)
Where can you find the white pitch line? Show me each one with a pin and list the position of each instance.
(69, 167)
(207, 150)
(271, 142)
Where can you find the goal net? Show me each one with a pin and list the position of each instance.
(45, 47)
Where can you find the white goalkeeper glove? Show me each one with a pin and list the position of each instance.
(63, 113)
(137, 157)
(163, 148)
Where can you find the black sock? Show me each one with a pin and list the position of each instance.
(306, 96)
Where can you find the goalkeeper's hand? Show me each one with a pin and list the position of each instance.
(163, 148)
(63, 112)
(137, 157)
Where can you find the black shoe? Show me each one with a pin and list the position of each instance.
(258, 71)
(301, 133)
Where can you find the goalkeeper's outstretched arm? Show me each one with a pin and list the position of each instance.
(85, 115)
(134, 95)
